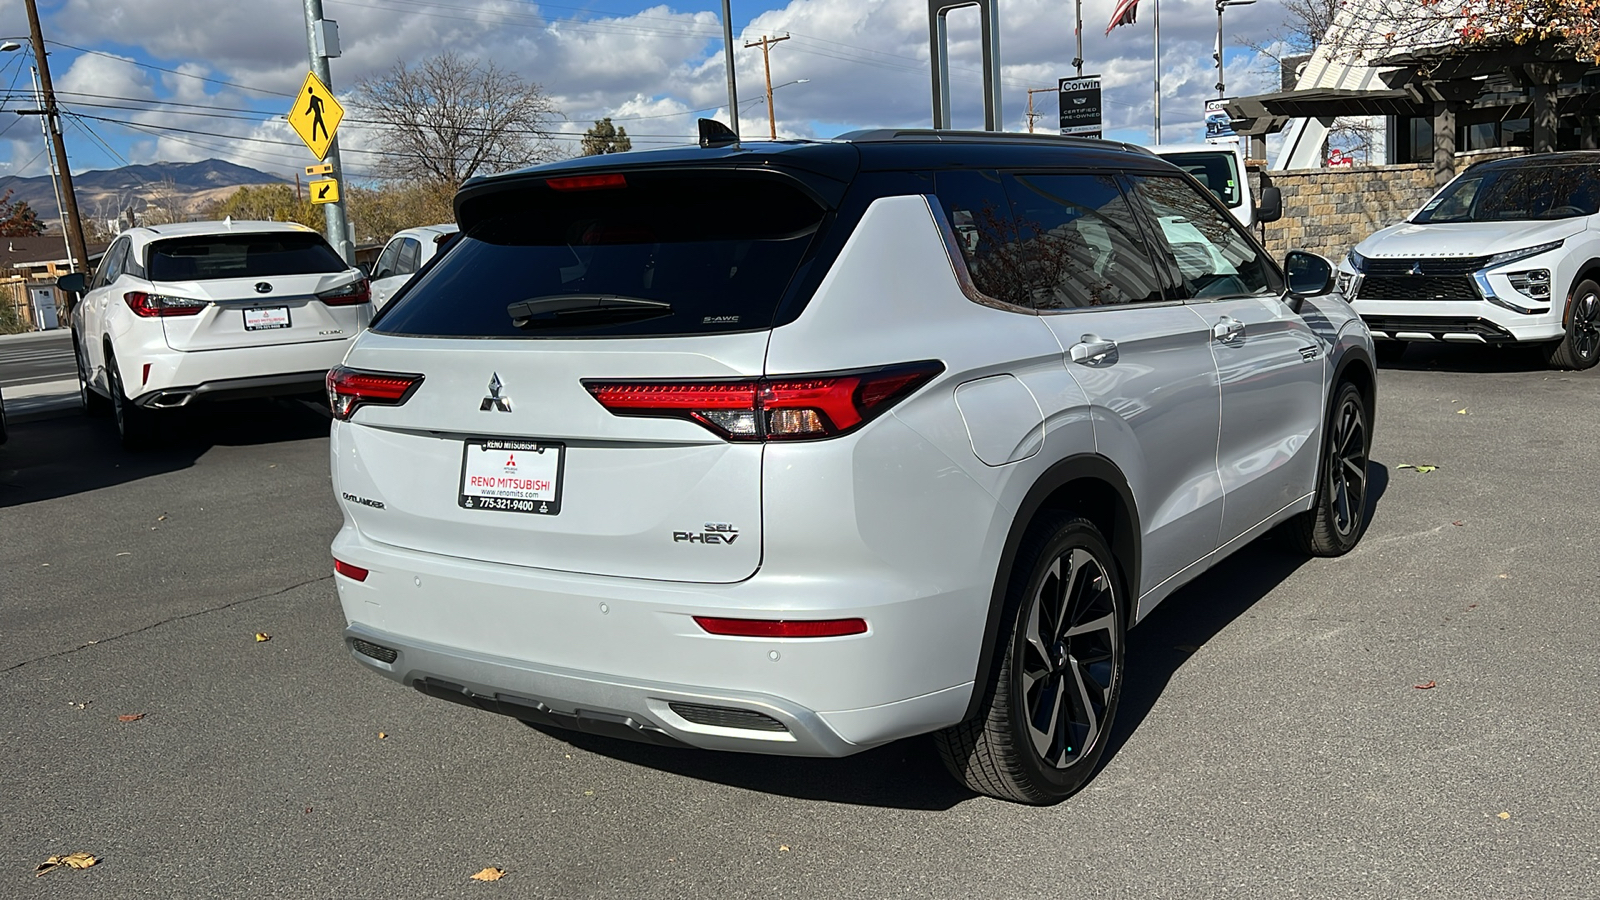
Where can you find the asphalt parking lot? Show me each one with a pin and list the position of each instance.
(1273, 741)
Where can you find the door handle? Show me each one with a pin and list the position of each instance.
(1228, 330)
(1093, 351)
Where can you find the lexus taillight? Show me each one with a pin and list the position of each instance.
(350, 294)
(351, 389)
(805, 407)
(151, 306)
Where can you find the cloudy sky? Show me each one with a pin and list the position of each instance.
(148, 80)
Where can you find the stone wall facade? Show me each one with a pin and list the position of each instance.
(1328, 211)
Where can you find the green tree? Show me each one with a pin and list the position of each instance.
(18, 219)
(270, 203)
(605, 138)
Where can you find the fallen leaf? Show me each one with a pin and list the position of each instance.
(71, 861)
(1425, 687)
(383, 735)
(1458, 523)
(262, 637)
(131, 717)
(783, 848)
(161, 518)
(1461, 412)
(1472, 606)
(588, 793)
(1502, 575)
(308, 809)
(1505, 815)
(1424, 469)
(490, 874)
(126, 553)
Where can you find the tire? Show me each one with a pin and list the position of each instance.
(1390, 351)
(94, 403)
(1064, 573)
(1338, 516)
(4, 433)
(135, 425)
(1579, 348)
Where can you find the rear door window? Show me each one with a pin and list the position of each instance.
(979, 212)
(1081, 245)
(410, 254)
(662, 253)
(242, 256)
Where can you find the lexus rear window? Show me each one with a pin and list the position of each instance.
(242, 256)
(616, 255)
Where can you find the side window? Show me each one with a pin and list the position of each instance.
(130, 264)
(111, 264)
(1214, 259)
(986, 233)
(1081, 245)
(410, 253)
(386, 259)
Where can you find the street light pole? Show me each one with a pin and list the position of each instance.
(1222, 84)
(333, 213)
(72, 223)
(727, 54)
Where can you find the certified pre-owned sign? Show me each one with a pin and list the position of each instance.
(1080, 106)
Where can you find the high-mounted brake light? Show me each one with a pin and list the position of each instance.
(782, 628)
(354, 573)
(808, 407)
(587, 182)
(351, 389)
(352, 294)
(152, 306)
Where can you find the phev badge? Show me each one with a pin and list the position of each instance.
(494, 400)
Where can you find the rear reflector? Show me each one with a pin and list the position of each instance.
(354, 573)
(587, 182)
(351, 389)
(807, 407)
(782, 628)
(151, 306)
(352, 294)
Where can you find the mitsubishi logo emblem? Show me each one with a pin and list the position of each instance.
(494, 400)
(1416, 268)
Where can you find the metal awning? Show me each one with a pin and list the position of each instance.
(1267, 113)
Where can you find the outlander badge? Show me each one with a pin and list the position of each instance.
(494, 400)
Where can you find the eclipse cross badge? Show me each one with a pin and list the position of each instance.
(263, 287)
(494, 401)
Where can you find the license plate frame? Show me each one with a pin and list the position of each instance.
(266, 318)
(514, 498)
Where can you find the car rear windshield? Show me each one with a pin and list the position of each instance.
(1514, 194)
(652, 253)
(242, 256)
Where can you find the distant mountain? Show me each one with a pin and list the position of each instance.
(102, 193)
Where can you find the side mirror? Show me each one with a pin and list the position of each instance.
(1309, 274)
(1270, 209)
(75, 283)
(366, 269)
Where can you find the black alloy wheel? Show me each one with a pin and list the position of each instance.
(1579, 348)
(1046, 719)
(1336, 521)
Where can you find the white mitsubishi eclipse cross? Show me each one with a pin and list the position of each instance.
(178, 314)
(805, 447)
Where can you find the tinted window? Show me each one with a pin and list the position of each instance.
(242, 256)
(1526, 192)
(720, 248)
(385, 266)
(1218, 171)
(410, 253)
(1080, 243)
(986, 233)
(1214, 259)
(111, 264)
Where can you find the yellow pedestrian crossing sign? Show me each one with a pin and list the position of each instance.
(316, 115)
(325, 191)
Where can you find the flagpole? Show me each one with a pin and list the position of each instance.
(1157, 16)
(1077, 33)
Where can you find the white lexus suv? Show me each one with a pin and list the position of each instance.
(1508, 252)
(801, 448)
(200, 311)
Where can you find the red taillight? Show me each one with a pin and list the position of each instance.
(770, 409)
(350, 389)
(356, 292)
(782, 628)
(354, 573)
(151, 306)
(587, 182)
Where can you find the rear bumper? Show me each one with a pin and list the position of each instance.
(176, 378)
(237, 389)
(613, 655)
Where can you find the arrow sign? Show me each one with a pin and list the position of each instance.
(315, 116)
(325, 191)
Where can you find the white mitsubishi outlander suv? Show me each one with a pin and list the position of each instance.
(1508, 252)
(805, 447)
(200, 311)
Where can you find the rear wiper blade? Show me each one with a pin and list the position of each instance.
(557, 310)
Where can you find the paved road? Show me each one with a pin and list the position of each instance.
(37, 357)
(1272, 743)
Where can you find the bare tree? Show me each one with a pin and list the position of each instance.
(447, 119)
(165, 203)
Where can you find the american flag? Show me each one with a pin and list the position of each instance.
(1126, 13)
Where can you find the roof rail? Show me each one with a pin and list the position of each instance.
(941, 136)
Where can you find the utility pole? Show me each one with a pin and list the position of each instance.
(338, 225)
(1031, 114)
(1077, 34)
(766, 63)
(727, 56)
(73, 225)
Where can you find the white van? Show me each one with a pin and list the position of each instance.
(1220, 167)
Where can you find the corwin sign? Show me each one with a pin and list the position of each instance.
(1080, 106)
